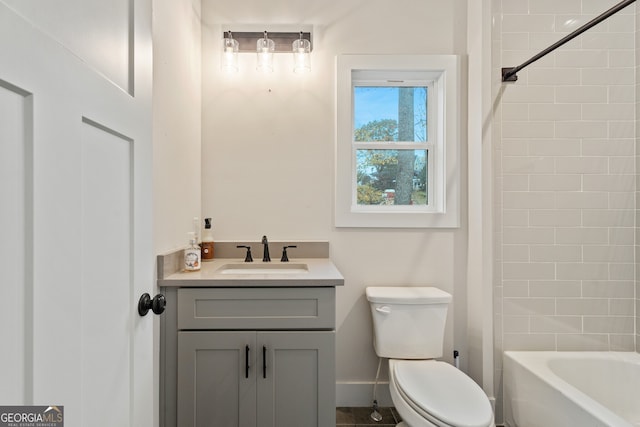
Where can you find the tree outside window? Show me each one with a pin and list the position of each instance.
(391, 114)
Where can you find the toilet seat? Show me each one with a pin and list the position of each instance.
(440, 393)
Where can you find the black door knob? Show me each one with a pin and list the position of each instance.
(155, 304)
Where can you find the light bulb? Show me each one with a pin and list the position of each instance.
(301, 55)
(265, 48)
(229, 59)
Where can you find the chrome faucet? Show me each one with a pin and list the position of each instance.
(265, 255)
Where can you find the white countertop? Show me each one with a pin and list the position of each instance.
(319, 272)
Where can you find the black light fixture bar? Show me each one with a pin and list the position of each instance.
(509, 73)
(247, 39)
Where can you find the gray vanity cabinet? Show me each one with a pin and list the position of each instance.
(256, 357)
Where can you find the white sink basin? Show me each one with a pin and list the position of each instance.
(263, 268)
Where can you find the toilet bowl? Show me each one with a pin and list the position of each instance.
(408, 325)
(430, 393)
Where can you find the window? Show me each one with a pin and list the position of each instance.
(397, 148)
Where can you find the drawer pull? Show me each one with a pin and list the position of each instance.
(246, 362)
(264, 362)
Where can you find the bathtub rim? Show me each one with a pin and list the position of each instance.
(535, 364)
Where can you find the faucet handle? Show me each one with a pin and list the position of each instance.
(285, 258)
(248, 257)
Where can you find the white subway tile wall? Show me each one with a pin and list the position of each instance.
(565, 179)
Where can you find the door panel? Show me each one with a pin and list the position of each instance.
(106, 289)
(298, 389)
(99, 32)
(15, 245)
(213, 389)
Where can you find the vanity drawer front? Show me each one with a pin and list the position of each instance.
(256, 308)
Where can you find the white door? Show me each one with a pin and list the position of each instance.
(75, 209)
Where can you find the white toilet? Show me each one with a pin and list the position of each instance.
(408, 325)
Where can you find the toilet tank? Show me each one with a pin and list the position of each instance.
(408, 322)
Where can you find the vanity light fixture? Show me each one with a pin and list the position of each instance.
(265, 48)
(264, 44)
(230, 47)
(301, 55)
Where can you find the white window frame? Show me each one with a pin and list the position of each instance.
(440, 74)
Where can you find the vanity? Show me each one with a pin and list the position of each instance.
(249, 344)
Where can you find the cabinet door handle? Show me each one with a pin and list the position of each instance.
(246, 362)
(264, 362)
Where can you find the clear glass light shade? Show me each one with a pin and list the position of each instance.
(229, 60)
(265, 48)
(301, 56)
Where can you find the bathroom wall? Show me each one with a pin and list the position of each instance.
(176, 121)
(564, 179)
(268, 165)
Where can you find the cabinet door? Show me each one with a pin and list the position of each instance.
(296, 384)
(214, 387)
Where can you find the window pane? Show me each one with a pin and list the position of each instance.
(390, 113)
(392, 177)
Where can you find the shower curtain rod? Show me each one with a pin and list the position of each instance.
(509, 73)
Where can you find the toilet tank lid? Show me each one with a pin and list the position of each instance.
(407, 295)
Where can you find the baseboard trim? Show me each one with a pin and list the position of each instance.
(360, 394)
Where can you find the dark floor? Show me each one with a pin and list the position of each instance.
(361, 417)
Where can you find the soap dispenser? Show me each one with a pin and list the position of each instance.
(207, 240)
(192, 254)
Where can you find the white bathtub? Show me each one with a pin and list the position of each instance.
(571, 389)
